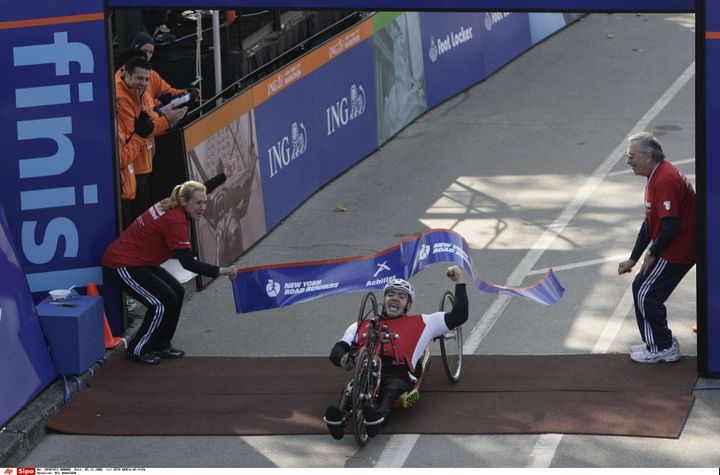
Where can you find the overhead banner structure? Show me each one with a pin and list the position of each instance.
(264, 287)
(417, 5)
(26, 367)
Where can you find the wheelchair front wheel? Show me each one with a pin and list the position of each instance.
(451, 343)
(368, 308)
(361, 394)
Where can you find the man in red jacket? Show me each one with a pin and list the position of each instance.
(669, 229)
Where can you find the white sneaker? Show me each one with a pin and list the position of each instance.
(639, 348)
(668, 355)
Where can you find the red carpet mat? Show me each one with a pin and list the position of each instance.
(571, 394)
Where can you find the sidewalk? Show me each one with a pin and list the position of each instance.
(27, 429)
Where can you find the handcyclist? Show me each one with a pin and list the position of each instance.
(399, 357)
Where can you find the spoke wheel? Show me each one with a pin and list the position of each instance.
(368, 308)
(451, 343)
(360, 395)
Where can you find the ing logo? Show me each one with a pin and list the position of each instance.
(288, 148)
(346, 109)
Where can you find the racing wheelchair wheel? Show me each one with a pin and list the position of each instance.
(451, 343)
(368, 308)
(363, 388)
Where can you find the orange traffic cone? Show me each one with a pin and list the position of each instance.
(110, 340)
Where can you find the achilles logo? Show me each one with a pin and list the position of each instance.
(288, 148)
(452, 40)
(381, 267)
(493, 18)
(272, 288)
(346, 109)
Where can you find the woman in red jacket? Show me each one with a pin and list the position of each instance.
(134, 258)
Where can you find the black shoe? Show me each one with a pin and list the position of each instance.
(373, 420)
(335, 422)
(169, 353)
(147, 358)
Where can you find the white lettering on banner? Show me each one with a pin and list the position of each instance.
(284, 79)
(343, 43)
(58, 130)
(451, 40)
(295, 288)
(346, 109)
(493, 18)
(383, 280)
(288, 148)
(450, 248)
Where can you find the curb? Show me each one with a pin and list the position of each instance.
(27, 429)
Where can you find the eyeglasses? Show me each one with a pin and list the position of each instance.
(631, 156)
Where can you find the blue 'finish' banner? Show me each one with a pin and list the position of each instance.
(26, 367)
(345, 89)
(57, 164)
(288, 145)
(265, 287)
(418, 5)
(452, 53)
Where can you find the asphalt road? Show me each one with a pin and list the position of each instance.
(528, 166)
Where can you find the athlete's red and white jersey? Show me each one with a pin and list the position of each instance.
(416, 333)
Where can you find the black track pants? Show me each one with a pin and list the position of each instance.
(163, 296)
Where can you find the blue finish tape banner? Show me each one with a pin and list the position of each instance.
(266, 287)
(452, 52)
(26, 367)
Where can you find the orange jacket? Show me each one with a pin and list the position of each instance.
(156, 87)
(136, 150)
(127, 169)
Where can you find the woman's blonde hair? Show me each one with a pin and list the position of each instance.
(182, 192)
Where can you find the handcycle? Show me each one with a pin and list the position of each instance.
(364, 387)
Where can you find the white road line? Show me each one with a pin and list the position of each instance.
(575, 265)
(544, 451)
(546, 446)
(613, 325)
(397, 450)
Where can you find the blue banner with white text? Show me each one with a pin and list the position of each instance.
(265, 287)
(57, 166)
(26, 367)
(504, 36)
(288, 147)
(345, 89)
(453, 53)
